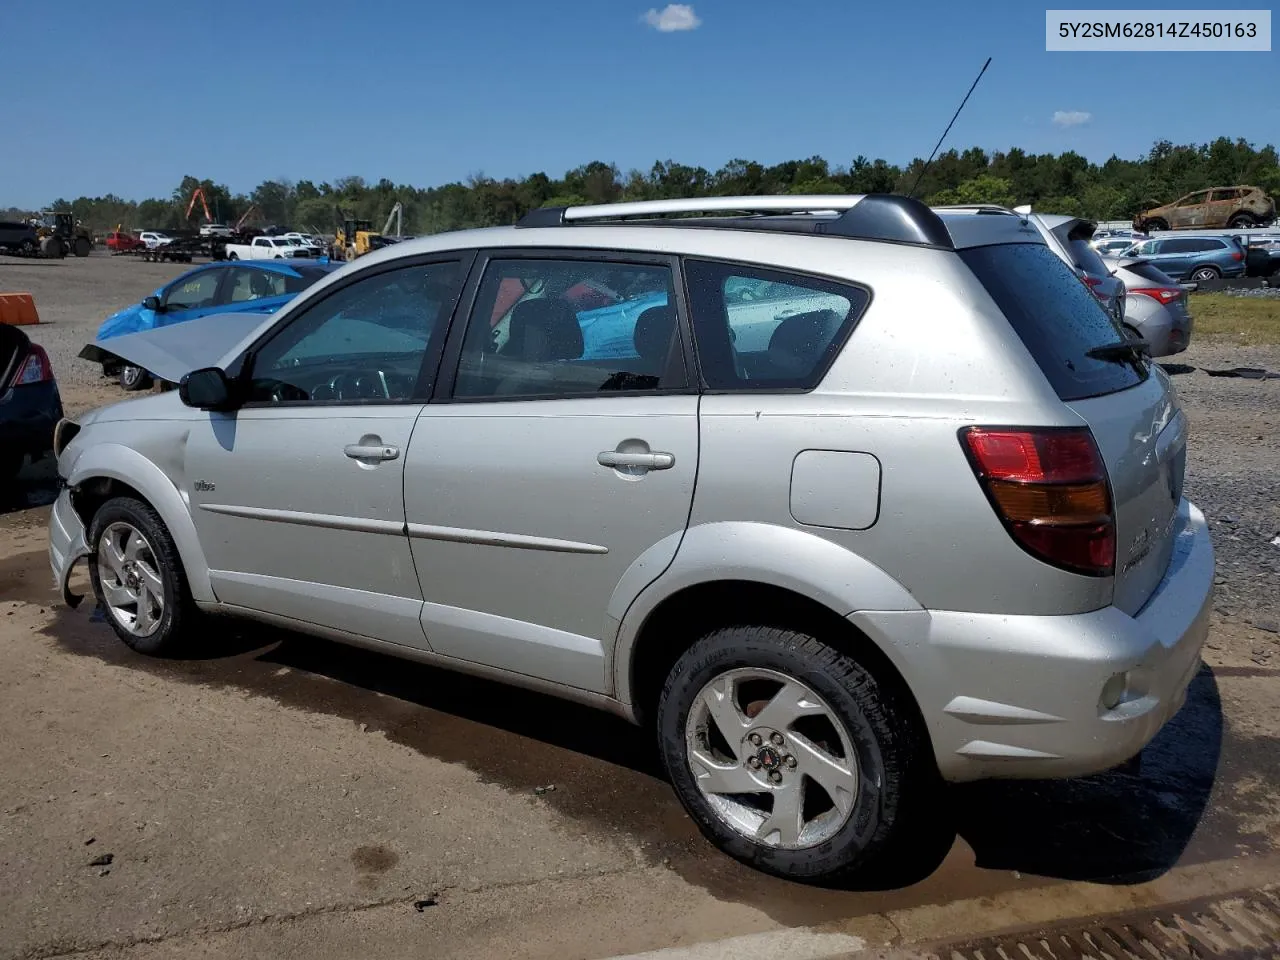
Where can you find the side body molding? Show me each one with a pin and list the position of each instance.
(794, 560)
(118, 462)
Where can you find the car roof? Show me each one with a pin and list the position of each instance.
(672, 225)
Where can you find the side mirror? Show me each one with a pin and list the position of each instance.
(207, 389)
(151, 303)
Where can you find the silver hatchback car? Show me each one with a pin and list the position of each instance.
(837, 495)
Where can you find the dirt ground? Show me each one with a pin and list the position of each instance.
(282, 796)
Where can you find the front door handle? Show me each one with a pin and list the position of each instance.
(641, 461)
(371, 451)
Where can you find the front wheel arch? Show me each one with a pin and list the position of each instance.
(106, 468)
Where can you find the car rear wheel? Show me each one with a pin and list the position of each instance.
(1156, 224)
(134, 378)
(1206, 273)
(138, 577)
(233, 255)
(27, 248)
(788, 754)
(1241, 221)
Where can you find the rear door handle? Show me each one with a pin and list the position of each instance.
(371, 451)
(643, 461)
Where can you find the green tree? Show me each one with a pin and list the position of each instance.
(981, 189)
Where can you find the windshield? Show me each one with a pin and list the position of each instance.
(1056, 316)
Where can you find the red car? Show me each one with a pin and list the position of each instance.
(121, 242)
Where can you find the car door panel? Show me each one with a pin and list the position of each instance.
(293, 526)
(525, 512)
(299, 496)
(520, 535)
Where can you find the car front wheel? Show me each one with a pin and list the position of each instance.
(787, 753)
(138, 578)
(1205, 273)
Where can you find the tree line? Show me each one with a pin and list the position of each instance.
(1062, 183)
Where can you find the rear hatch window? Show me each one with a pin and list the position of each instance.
(1056, 316)
(1085, 257)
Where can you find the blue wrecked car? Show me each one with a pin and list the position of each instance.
(228, 287)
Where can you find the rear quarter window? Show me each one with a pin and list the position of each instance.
(1055, 316)
(763, 329)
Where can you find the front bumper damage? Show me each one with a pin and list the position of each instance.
(68, 545)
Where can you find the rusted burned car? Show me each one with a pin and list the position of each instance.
(1232, 207)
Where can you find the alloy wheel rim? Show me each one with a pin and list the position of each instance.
(132, 587)
(773, 761)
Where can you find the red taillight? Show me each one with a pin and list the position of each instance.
(1049, 486)
(1237, 256)
(1094, 284)
(1165, 295)
(35, 369)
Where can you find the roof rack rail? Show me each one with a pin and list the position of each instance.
(976, 208)
(884, 217)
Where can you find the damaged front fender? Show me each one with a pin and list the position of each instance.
(67, 546)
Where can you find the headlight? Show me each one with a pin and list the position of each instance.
(63, 434)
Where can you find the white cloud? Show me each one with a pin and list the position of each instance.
(1071, 118)
(672, 18)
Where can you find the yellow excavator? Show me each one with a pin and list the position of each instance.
(354, 238)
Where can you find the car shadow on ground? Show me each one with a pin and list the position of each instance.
(1117, 827)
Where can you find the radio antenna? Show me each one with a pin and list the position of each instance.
(929, 162)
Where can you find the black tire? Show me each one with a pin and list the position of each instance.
(27, 248)
(52, 248)
(233, 255)
(1206, 272)
(1155, 224)
(81, 247)
(134, 378)
(180, 613)
(1241, 221)
(878, 726)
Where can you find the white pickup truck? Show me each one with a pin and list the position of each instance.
(265, 248)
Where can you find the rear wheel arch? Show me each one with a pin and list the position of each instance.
(688, 615)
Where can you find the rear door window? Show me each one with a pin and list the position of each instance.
(1056, 316)
(760, 329)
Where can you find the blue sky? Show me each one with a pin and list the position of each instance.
(127, 97)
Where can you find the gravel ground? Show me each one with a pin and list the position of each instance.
(1233, 473)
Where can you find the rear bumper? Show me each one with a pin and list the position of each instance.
(1022, 696)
